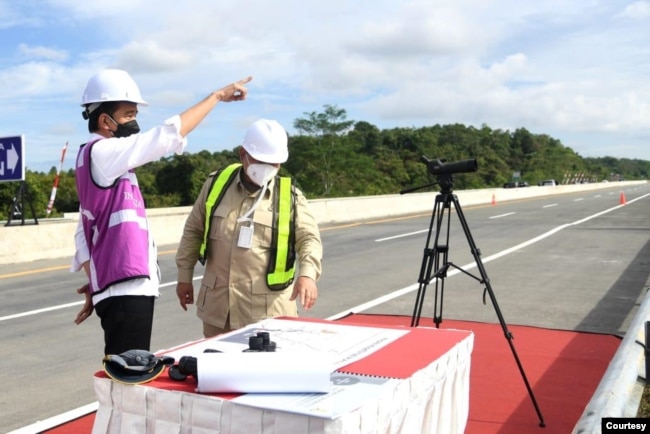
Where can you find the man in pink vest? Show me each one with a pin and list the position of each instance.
(113, 243)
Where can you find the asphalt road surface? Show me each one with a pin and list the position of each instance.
(576, 262)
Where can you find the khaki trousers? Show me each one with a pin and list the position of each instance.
(210, 331)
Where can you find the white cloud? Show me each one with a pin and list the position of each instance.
(638, 10)
(149, 56)
(37, 80)
(42, 52)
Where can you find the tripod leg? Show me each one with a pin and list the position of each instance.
(485, 280)
(425, 272)
(440, 260)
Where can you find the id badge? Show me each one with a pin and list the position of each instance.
(245, 237)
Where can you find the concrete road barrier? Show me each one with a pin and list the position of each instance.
(54, 238)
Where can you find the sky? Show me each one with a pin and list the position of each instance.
(578, 71)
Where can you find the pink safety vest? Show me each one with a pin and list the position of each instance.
(115, 225)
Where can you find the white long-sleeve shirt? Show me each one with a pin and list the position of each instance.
(110, 159)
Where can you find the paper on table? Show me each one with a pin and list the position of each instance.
(349, 392)
(264, 372)
(346, 343)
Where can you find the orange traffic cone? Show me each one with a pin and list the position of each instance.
(622, 200)
(494, 201)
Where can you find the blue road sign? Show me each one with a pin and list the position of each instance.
(12, 159)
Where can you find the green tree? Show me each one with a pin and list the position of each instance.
(335, 157)
(327, 127)
(331, 122)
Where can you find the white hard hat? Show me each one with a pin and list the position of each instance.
(266, 140)
(110, 85)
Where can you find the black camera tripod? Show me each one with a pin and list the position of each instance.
(435, 265)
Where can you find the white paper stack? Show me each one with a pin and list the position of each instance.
(264, 372)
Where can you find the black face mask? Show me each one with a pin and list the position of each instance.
(126, 129)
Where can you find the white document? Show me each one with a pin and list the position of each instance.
(349, 392)
(264, 372)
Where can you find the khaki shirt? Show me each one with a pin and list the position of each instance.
(234, 279)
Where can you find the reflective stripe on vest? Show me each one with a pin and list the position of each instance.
(222, 181)
(282, 262)
(281, 268)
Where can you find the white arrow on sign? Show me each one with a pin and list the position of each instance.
(12, 158)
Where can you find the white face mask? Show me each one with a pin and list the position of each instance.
(261, 174)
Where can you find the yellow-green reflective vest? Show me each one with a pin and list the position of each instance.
(281, 269)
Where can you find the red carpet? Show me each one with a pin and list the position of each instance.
(562, 367)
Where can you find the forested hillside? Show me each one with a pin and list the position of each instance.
(332, 156)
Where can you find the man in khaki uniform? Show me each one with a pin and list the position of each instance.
(242, 243)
